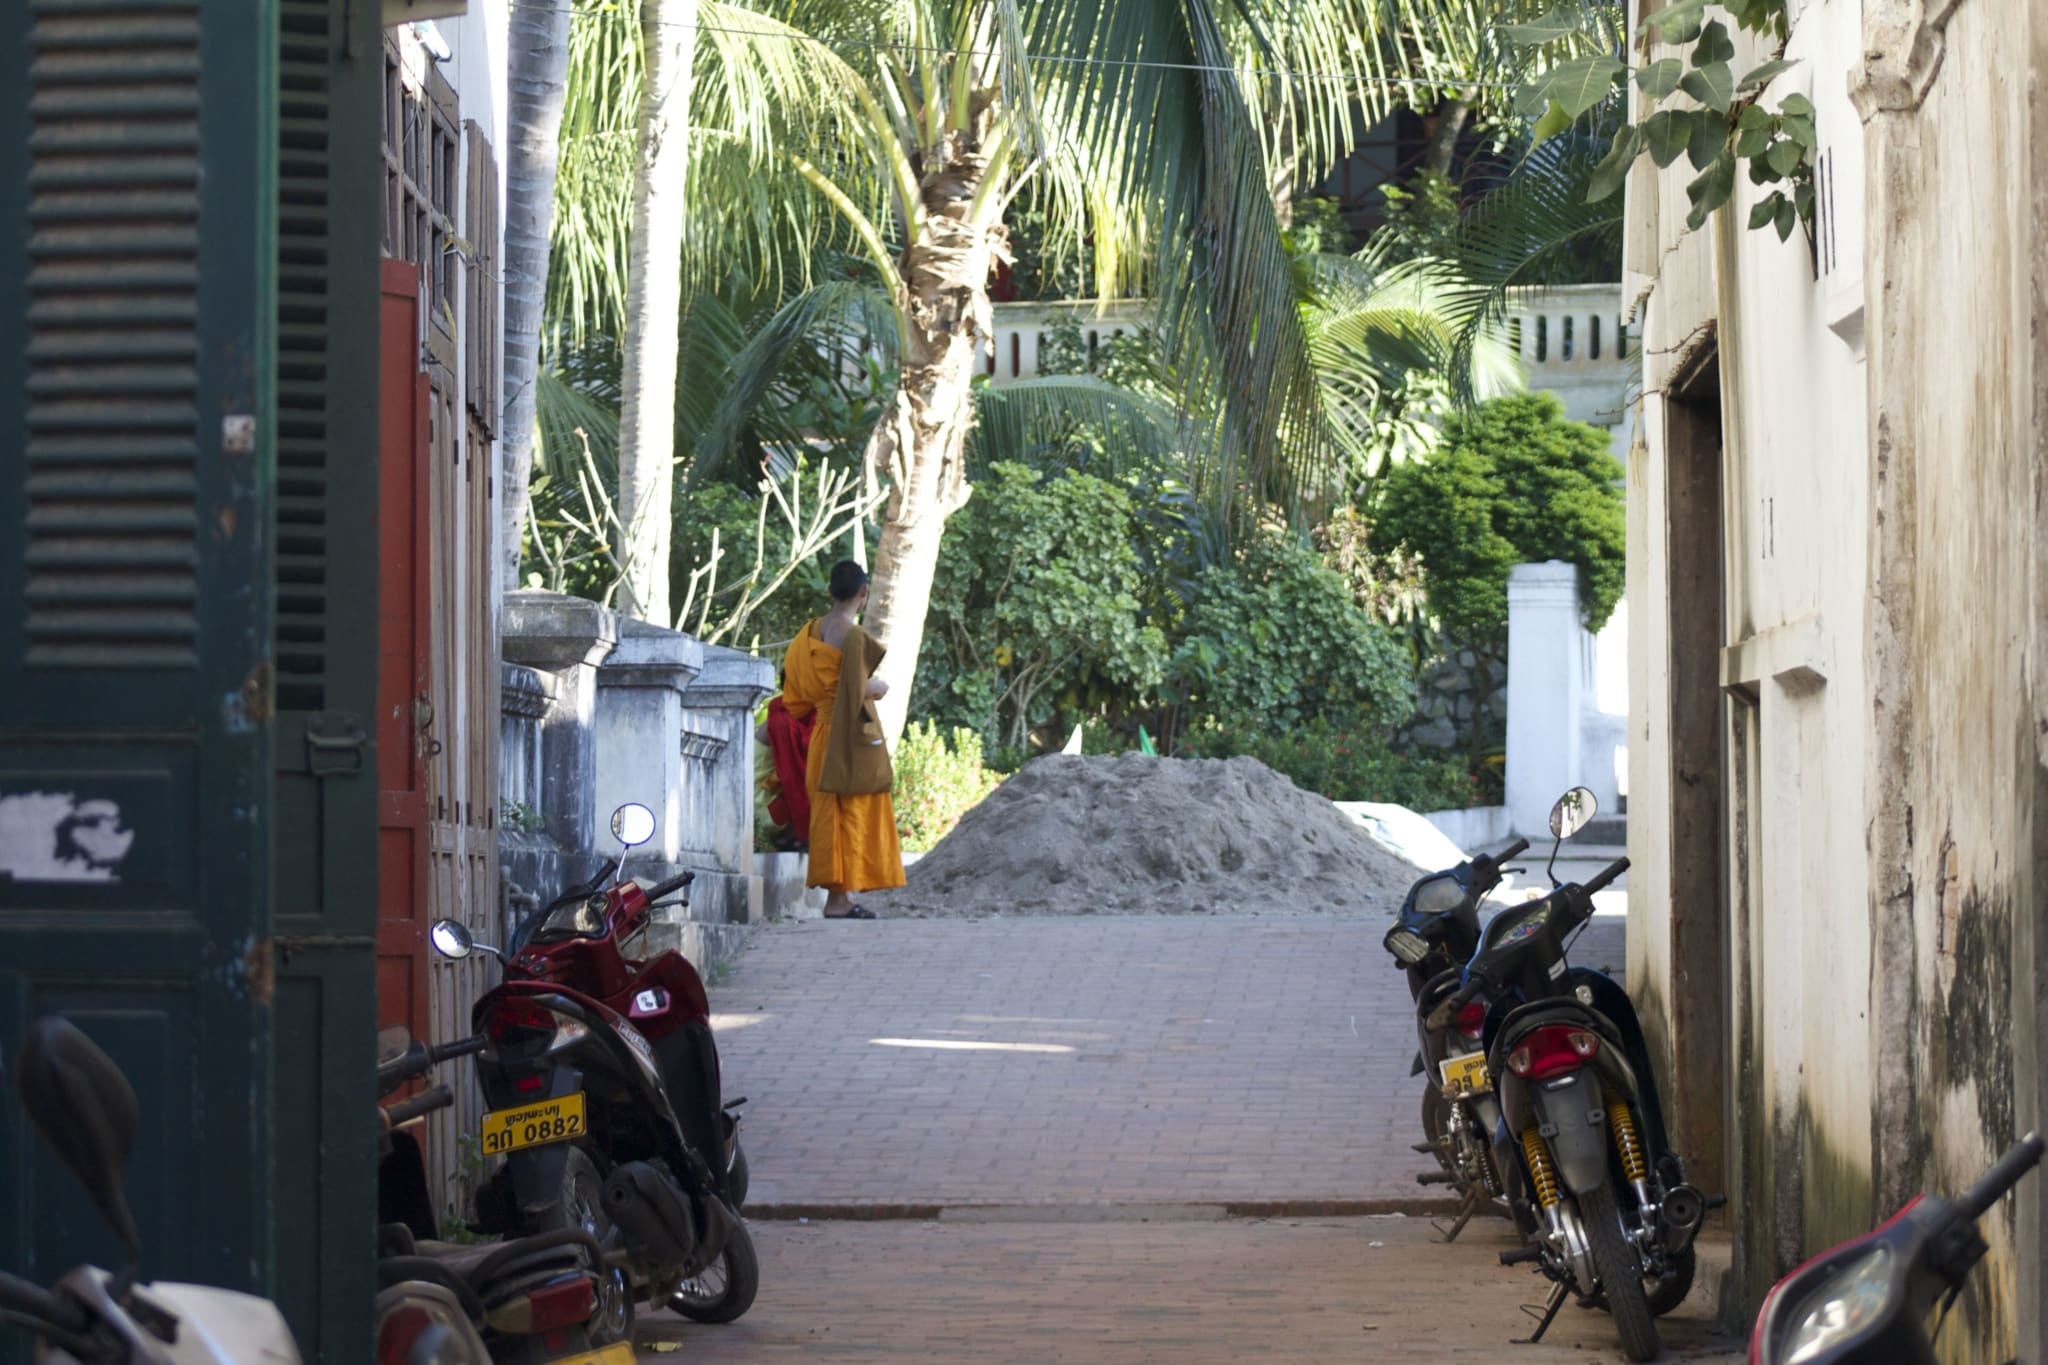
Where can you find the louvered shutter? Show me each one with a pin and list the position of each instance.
(137, 429)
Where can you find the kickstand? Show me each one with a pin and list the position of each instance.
(1558, 1294)
(1465, 1213)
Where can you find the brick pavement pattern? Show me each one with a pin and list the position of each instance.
(1346, 1289)
(1078, 1061)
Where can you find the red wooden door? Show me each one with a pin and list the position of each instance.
(404, 648)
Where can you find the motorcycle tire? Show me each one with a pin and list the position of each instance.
(1621, 1274)
(736, 1177)
(738, 1273)
(582, 1205)
(1436, 1127)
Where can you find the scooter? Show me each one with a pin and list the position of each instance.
(1867, 1301)
(603, 1081)
(84, 1111)
(525, 1302)
(1436, 931)
(1593, 1186)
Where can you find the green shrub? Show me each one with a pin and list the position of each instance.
(937, 782)
(1277, 640)
(1343, 764)
(1514, 482)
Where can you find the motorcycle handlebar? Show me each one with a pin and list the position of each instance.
(1514, 850)
(426, 1102)
(1607, 875)
(461, 1047)
(2020, 1158)
(32, 1301)
(673, 884)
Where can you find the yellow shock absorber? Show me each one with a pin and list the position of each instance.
(1623, 1125)
(1541, 1173)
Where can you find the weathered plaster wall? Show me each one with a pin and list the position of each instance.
(1882, 400)
(1954, 138)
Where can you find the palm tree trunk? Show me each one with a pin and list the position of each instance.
(921, 442)
(537, 55)
(654, 302)
(1443, 143)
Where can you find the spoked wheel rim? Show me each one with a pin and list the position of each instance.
(707, 1288)
(614, 1304)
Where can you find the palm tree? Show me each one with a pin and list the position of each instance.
(537, 57)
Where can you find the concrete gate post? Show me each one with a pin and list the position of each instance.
(639, 731)
(1547, 685)
(718, 782)
(567, 637)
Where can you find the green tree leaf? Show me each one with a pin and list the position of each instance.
(1711, 190)
(1799, 127)
(1714, 45)
(1612, 172)
(1660, 77)
(1562, 22)
(1752, 141)
(1797, 106)
(1788, 217)
(1709, 139)
(1761, 76)
(1581, 83)
(1668, 132)
(1764, 211)
(1678, 22)
(1784, 157)
(1553, 122)
(1713, 86)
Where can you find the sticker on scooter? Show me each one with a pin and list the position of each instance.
(641, 1047)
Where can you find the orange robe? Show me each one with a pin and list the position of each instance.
(853, 838)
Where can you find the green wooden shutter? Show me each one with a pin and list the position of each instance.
(136, 365)
(329, 178)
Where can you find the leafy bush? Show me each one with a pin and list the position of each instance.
(1278, 639)
(937, 782)
(1344, 763)
(1035, 607)
(1514, 482)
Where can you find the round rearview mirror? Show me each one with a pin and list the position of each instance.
(392, 1043)
(451, 939)
(633, 824)
(1573, 812)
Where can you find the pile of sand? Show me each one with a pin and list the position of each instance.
(1135, 835)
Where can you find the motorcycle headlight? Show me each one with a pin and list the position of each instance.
(1408, 947)
(1841, 1306)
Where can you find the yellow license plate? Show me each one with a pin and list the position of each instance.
(1465, 1075)
(621, 1354)
(533, 1125)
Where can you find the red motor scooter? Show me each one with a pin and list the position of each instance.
(1867, 1302)
(603, 1084)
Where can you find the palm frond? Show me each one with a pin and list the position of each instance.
(1037, 422)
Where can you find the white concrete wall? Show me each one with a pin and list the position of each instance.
(1559, 733)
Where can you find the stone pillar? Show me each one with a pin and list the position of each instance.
(718, 782)
(567, 637)
(639, 720)
(1547, 680)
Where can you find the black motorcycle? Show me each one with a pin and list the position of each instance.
(526, 1301)
(1867, 1302)
(1591, 1181)
(1436, 932)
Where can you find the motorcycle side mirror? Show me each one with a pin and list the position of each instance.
(84, 1110)
(454, 940)
(633, 824)
(1572, 813)
(393, 1042)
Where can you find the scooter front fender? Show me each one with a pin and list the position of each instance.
(1573, 1120)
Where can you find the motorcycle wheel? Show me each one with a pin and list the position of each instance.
(582, 1206)
(725, 1289)
(1621, 1274)
(736, 1177)
(1436, 1126)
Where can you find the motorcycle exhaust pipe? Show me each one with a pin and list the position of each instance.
(653, 1218)
(1685, 1208)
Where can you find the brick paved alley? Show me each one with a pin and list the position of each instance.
(1099, 1139)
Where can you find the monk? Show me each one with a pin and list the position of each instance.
(829, 675)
